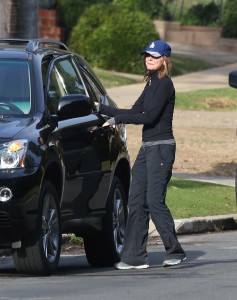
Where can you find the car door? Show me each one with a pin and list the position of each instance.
(86, 151)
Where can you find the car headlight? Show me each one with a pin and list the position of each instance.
(12, 154)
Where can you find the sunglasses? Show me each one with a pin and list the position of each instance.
(149, 55)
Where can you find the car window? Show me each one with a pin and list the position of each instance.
(95, 93)
(15, 87)
(64, 80)
(44, 67)
(86, 68)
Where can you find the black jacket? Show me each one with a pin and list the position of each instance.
(154, 108)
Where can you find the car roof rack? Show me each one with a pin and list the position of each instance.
(34, 44)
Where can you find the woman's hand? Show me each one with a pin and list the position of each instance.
(109, 122)
(97, 106)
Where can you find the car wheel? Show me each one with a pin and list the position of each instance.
(104, 248)
(40, 255)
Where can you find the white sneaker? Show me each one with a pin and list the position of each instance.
(123, 266)
(172, 262)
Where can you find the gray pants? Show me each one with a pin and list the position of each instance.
(151, 173)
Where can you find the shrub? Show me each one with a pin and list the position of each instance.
(75, 240)
(71, 10)
(112, 38)
(153, 8)
(229, 19)
(202, 15)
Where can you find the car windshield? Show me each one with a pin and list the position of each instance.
(15, 92)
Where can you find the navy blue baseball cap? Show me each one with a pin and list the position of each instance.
(158, 48)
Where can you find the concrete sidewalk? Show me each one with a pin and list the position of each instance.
(197, 177)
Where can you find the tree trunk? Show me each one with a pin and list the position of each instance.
(5, 19)
(19, 19)
(25, 14)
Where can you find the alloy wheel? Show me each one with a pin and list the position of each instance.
(50, 228)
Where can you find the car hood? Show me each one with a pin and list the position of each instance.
(10, 127)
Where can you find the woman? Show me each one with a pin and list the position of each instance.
(152, 169)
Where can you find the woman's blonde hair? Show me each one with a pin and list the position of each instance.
(164, 71)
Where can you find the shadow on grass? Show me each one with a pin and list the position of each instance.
(223, 169)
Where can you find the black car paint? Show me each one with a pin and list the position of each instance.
(57, 149)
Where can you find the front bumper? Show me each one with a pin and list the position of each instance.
(18, 216)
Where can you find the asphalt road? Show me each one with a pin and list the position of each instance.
(210, 272)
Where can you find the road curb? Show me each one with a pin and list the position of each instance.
(201, 225)
(207, 224)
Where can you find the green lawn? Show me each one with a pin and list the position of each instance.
(187, 198)
(223, 99)
(111, 80)
(184, 65)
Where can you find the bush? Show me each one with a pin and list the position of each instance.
(229, 19)
(202, 15)
(112, 38)
(71, 10)
(153, 8)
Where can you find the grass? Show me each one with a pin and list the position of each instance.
(187, 198)
(184, 65)
(109, 79)
(223, 99)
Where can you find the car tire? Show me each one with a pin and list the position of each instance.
(104, 248)
(40, 255)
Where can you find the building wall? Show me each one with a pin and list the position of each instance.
(194, 35)
(48, 25)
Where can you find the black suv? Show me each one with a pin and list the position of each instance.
(233, 83)
(60, 171)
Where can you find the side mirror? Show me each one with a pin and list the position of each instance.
(73, 106)
(233, 79)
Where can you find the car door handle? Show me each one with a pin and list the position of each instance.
(102, 130)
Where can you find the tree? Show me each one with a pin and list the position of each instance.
(25, 15)
(5, 18)
(70, 11)
(202, 15)
(112, 37)
(153, 8)
(229, 19)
